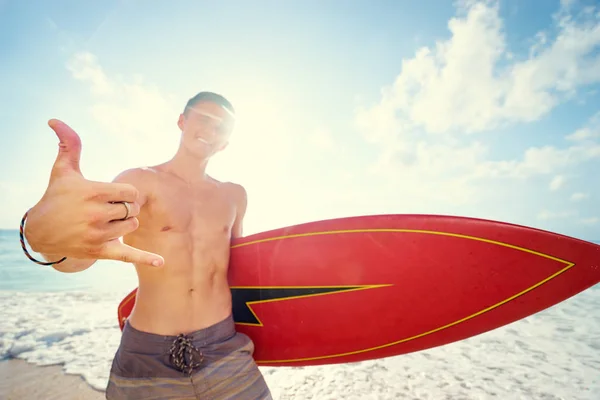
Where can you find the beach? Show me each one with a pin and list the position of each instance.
(554, 354)
(59, 333)
(20, 380)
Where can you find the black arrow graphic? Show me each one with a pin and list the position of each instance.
(244, 297)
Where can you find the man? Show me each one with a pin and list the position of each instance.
(177, 224)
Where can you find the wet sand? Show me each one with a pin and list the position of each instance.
(20, 380)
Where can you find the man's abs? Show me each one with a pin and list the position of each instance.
(190, 292)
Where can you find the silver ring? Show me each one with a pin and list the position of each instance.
(127, 208)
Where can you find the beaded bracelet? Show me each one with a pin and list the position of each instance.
(21, 229)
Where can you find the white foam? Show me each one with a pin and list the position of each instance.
(552, 355)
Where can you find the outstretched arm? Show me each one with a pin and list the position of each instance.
(104, 218)
(79, 219)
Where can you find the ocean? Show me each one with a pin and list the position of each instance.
(49, 317)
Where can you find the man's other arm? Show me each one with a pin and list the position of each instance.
(241, 200)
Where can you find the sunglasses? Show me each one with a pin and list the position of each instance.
(225, 126)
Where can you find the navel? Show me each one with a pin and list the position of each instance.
(166, 228)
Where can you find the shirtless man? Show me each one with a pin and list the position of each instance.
(176, 223)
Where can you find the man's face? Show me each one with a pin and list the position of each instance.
(206, 128)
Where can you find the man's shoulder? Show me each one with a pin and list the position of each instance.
(227, 185)
(235, 191)
(235, 188)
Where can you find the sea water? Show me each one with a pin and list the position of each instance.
(47, 317)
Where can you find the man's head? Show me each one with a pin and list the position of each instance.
(206, 124)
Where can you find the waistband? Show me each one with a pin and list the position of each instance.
(135, 339)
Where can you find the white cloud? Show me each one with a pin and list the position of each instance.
(135, 119)
(542, 160)
(471, 83)
(132, 109)
(557, 182)
(588, 133)
(579, 196)
(465, 84)
(84, 67)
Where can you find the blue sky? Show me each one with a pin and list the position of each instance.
(475, 108)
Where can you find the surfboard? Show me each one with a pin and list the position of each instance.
(366, 287)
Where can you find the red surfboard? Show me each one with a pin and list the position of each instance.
(359, 288)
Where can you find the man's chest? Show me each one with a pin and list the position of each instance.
(182, 208)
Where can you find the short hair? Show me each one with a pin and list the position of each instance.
(211, 97)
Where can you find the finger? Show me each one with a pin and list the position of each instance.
(118, 211)
(113, 192)
(69, 150)
(115, 250)
(119, 228)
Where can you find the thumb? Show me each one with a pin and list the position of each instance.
(116, 250)
(69, 150)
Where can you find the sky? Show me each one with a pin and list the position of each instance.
(486, 109)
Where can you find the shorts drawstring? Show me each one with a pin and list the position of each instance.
(182, 346)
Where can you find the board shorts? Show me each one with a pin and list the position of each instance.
(215, 363)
